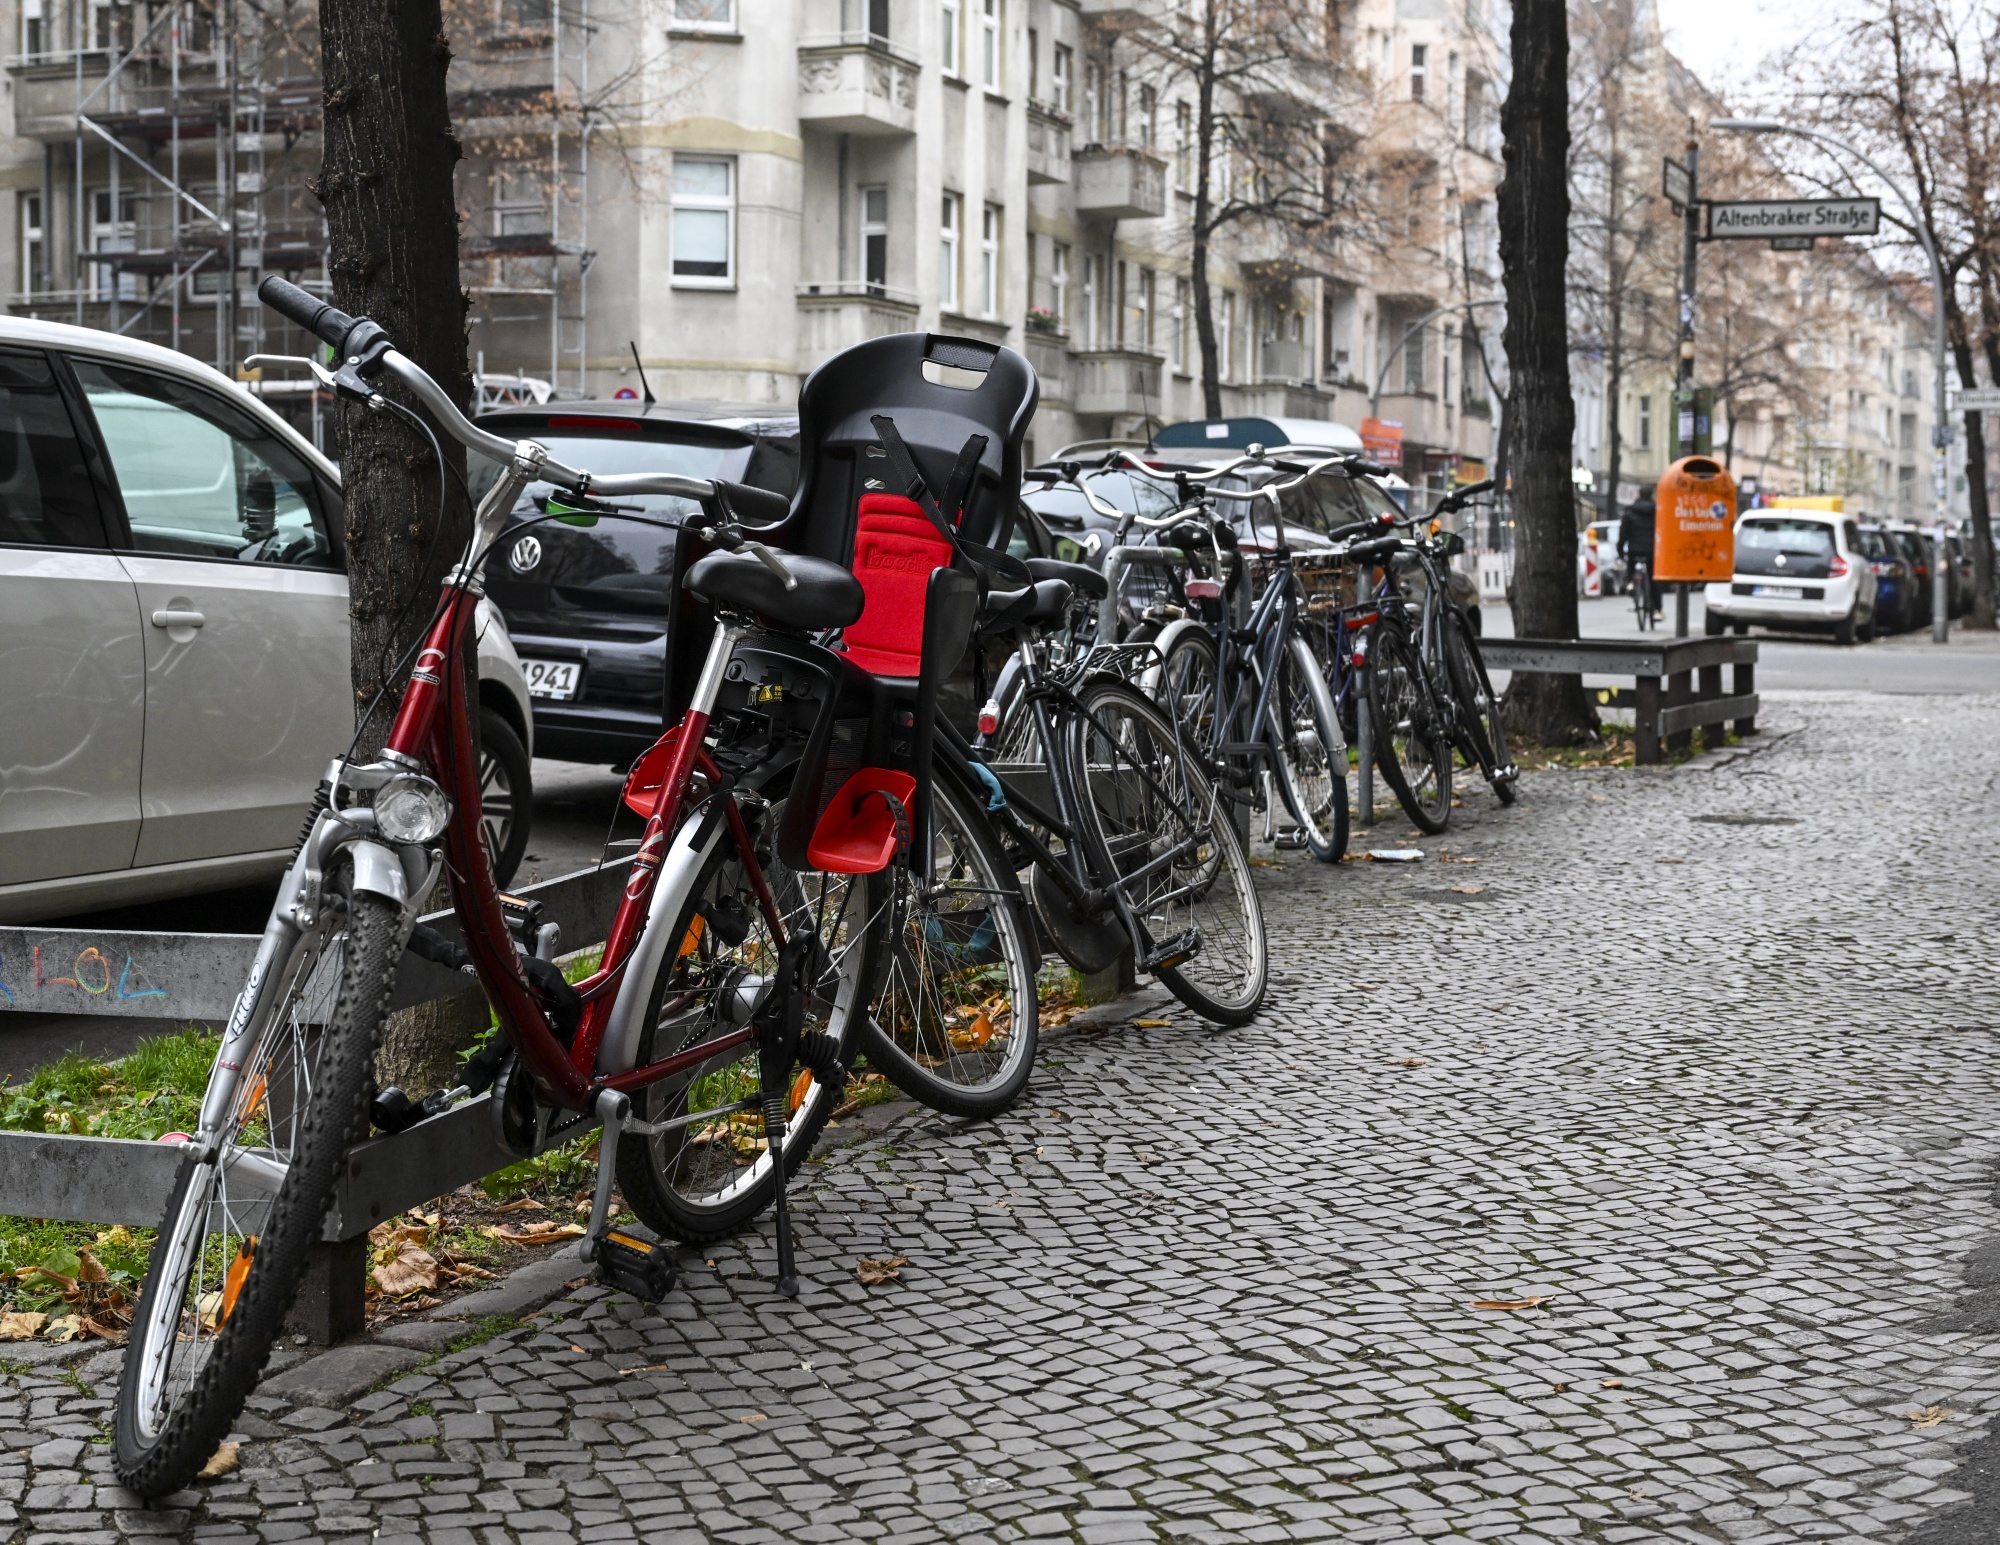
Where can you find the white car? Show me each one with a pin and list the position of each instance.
(174, 631)
(1799, 571)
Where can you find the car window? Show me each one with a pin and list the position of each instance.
(46, 497)
(1374, 499)
(1853, 537)
(1869, 544)
(615, 565)
(200, 477)
(1786, 536)
(1064, 505)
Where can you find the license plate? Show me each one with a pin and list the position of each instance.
(1779, 592)
(552, 678)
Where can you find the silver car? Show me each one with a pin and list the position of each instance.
(174, 631)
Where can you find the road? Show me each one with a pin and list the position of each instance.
(1691, 1067)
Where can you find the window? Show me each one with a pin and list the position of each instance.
(1059, 284)
(46, 498)
(705, 15)
(1093, 287)
(1093, 102)
(1413, 358)
(32, 40)
(948, 232)
(1142, 310)
(989, 44)
(1419, 70)
(1907, 440)
(1225, 335)
(1149, 117)
(518, 206)
(200, 477)
(1034, 65)
(878, 19)
(1060, 71)
(1183, 146)
(875, 238)
(1645, 423)
(989, 261)
(113, 235)
(1178, 325)
(31, 242)
(704, 213)
(950, 48)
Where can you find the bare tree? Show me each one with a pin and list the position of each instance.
(1541, 415)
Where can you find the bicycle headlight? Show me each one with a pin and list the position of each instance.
(411, 808)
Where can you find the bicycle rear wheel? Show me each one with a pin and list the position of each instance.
(1479, 708)
(711, 1175)
(952, 1018)
(1146, 802)
(1412, 748)
(1187, 693)
(230, 1254)
(1311, 756)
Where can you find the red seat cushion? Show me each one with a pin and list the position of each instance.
(895, 549)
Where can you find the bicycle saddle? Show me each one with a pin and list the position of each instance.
(1373, 552)
(1082, 580)
(1044, 601)
(826, 595)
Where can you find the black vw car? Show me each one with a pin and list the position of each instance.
(597, 614)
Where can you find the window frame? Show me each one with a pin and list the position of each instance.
(726, 24)
(875, 230)
(951, 38)
(992, 63)
(1059, 283)
(1062, 73)
(989, 260)
(1420, 70)
(697, 203)
(951, 252)
(34, 238)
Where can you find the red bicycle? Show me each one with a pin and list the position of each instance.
(710, 1038)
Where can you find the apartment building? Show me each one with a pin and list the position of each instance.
(736, 189)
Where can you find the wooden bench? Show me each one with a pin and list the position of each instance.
(1664, 720)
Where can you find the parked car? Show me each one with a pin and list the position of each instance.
(174, 631)
(1959, 546)
(596, 612)
(1915, 546)
(1800, 571)
(1895, 584)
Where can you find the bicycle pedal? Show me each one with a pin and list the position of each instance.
(1289, 837)
(1178, 950)
(646, 1271)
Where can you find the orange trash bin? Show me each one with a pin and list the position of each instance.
(1694, 524)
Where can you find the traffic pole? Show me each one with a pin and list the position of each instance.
(1690, 244)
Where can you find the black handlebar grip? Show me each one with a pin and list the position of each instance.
(323, 321)
(1474, 490)
(1366, 468)
(751, 506)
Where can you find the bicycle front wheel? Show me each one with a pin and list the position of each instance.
(952, 1019)
(232, 1246)
(1154, 823)
(1412, 748)
(1312, 758)
(1479, 707)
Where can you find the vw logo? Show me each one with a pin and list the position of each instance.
(1777, 562)
(526, 555)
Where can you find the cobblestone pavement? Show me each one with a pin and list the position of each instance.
(1703, 1059)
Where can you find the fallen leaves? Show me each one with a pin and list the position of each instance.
(1411, 1062)
(1468, 890)
(1930, 1416)
(1532, 1301)
(21, 1325)
(874, 1271)
(754, 1417)
(1454, 858)
(1153, 1024)
(225, 1459)
(409, 1269)
(524, 1204)
(1611, 1384)
(541, 1232)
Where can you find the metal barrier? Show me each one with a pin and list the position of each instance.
(196, 976)
(1663, 721)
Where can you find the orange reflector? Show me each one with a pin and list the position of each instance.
(234, 1278)
(693, 940)
(801, 1086)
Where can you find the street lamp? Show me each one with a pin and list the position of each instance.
(1941, 431)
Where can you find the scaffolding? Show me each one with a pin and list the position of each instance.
(176, 142)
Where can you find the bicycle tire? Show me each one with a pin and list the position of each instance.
(706, 1180)
(1187, 690)
(1407, 740)
(1310, 754)
(1480, 706)
(1142, 801)
(159, 1452)
(931, 1022)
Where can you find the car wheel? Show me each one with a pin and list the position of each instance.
(1843, 631)
(1866, 632)
(506, 794)
(1714, 625)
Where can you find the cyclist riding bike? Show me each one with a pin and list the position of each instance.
(1635, 550)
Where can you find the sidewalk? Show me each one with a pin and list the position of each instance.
(1697, 1060)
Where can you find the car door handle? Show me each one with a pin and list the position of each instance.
(175, 617)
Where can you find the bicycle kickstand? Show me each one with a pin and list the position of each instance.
(778, 1028)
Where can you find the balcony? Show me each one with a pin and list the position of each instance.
(1116, 381)
(1284, 360)
(1049, 354)
(837, 314)
(856, 83)
(1048, 145)
(1121, 184)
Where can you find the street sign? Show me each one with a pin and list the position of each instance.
(1759, 219)
(1792, 243)
(1980, 399)
(1675, 183)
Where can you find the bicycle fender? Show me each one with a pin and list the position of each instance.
(619, 1050)
(378, 871)
(1149, 680)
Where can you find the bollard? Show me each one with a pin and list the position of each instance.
(1940, 588)
(1680, 611)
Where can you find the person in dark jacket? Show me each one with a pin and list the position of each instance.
(1635, 548)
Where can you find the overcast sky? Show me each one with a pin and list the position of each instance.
(1725, 41)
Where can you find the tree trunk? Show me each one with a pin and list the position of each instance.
(392, 224)
(1534, 254)
(1200, 232)
(1977, 496)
